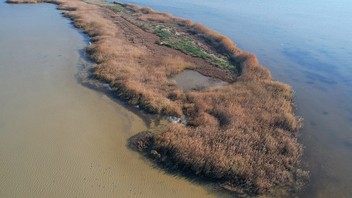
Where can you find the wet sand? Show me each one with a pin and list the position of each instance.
(57, 137)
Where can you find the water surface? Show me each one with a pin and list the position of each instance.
(57, 137)
(308, 45)
(189, 80)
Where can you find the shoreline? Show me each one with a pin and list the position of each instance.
(230, 131)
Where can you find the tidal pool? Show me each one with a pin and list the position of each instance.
(189, 80)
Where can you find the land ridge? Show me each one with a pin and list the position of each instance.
(242, 135)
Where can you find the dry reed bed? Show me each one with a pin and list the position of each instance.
(243, 135)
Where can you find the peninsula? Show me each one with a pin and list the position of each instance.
(241, 135)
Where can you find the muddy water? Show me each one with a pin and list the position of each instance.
(308, 45)
(58, 138)
(191, 80)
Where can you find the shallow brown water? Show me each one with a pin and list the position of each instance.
(57, 137)
(191, 80)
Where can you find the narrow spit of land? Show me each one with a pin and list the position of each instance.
(242, 136)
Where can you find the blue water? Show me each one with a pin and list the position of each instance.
(308, 45)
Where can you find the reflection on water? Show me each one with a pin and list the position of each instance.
(58, 138)
(306, 44)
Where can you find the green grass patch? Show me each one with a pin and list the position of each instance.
(114, 7)
(170, 38)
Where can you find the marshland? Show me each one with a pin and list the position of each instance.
(239, 137)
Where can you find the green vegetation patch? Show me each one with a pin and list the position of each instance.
(113, 6)
(169, 37)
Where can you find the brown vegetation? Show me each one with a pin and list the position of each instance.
(243, 135)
